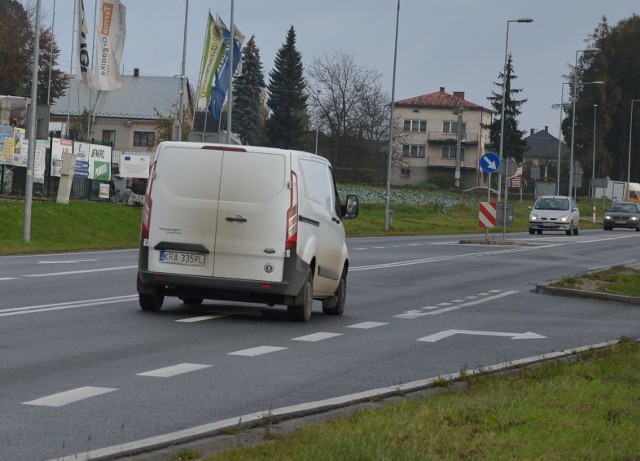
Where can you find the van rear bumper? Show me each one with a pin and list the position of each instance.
(189, 286)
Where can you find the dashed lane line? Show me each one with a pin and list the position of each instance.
(315, 337)
(71, 396)
(174, 370)
(65, 305)
(367, 325)
(256, 351)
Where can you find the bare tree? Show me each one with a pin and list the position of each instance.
(349, 106)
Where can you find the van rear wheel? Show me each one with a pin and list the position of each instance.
(150, 302)
(300, 311)
(335, 304)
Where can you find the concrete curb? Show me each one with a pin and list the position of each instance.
(492, 242)
(546, 289)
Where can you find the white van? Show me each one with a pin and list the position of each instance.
(243, 223)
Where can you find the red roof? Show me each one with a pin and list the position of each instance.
(440, 99)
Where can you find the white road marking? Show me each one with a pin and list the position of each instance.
(367, 325)
(174, 370)
(445, 334)
(65, 305)
(411, 315)
(471, 303)
(444, 304)
(255, 351)
(201, 318)
(462, 300)
(9, 278)
(67, 397)
(104, 269)
(68, 261)
(470, 297)
(315, 337)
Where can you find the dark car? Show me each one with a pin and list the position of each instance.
(622, 214)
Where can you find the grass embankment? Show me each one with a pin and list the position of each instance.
(585, 410)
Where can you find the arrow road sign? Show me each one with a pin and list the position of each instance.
(445, 334)
(490, 162)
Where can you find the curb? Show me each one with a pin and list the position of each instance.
(493, 242)
(546, 289)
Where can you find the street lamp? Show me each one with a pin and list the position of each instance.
(560, 135)
(593, 164)
(629, 159)
(387, 220)
(504, 81)
(573, 119)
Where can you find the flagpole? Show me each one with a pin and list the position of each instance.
(230, 93)
(53, 22)
(73, 42)
(181, 92)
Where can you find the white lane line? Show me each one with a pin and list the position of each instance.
(462, 300)
(428, 308)
(255, 351)
(495, 291)
(201, 318)
(65, 305)
(315, 337)
(174, 370)
(67, 397)
(367, 325)
(104, 269)
(68, 261)
(471, 303)
(470, 297)
(444, 304)
(411, 315)
(8, 278)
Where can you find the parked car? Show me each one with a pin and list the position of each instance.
(480, 190)
(554, 213)
(622, 214)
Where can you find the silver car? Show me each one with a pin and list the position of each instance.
(554, 213)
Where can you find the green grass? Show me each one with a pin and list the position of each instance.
(76, 226)
(586, 410)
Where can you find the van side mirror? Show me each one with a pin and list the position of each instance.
(350, 210)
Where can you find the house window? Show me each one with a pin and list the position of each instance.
(450, 152)
(405, 172)
(143, 138)
(418, 126)
(452, 127)
(109, 137)
(413, 150)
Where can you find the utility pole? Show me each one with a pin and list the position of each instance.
(458, 111)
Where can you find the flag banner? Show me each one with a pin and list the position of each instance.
(211, 57)
(110, 36)
(221, 87)
(84, 60)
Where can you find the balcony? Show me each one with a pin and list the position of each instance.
(469, 162)
(451, 138)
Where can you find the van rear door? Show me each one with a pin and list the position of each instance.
(252, 214)
(184, 210)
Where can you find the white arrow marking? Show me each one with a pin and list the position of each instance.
(492, 165)
(445, 334)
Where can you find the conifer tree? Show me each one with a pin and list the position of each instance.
(287, 100)
(513, 145)
(247, 97)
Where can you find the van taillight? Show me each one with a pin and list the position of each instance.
(292, 215)
(148, 202)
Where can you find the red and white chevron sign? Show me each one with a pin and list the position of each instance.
(487, 214)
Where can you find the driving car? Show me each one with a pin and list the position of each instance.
(554, 213)
(622, 214)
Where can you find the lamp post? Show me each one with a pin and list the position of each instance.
(573, 119)
(504, 85)
(560, 135)
(629, 158)
(393, 94)
(593, 162)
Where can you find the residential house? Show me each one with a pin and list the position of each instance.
(430, 138)
(540, 160)
(128, 118)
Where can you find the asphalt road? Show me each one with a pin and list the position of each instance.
(84, 373)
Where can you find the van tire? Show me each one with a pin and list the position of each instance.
(335, 304)
(302, 312)
(192, 301)
(150, 302)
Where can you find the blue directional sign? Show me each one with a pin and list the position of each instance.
(490, 162)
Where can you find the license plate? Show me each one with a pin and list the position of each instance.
(621, 222)
(182, 258)
(548, 224)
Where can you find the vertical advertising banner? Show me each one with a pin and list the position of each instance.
(39, 159)
(58, 148)
(211, 56)
(20, 154)
(110, 35)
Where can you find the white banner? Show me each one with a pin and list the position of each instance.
(134, 165)
(110, 35)
(83, 55)
(100, 162)
(58, 148)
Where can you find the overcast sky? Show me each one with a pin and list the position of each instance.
(456, 44)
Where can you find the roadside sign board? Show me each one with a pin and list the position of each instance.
(490, 162)
(487, 214)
